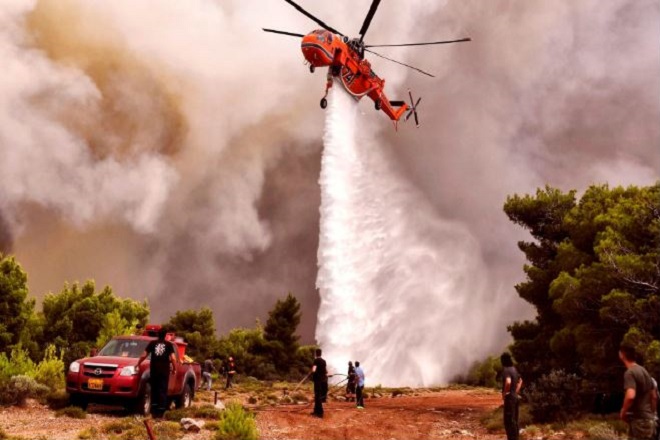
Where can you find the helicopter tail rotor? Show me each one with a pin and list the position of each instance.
(413, 108)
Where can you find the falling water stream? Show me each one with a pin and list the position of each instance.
(398, 284)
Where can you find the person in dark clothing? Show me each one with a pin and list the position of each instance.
(231, 371)
(162, 363)
(640, 400)
(350, 386)
(207, 369)
(511, 384)
(320, 377)
(359, 375)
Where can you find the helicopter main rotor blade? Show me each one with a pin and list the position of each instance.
(420, 44)
(310, 16)
(368, 18)
(399, 62)
(292, 34)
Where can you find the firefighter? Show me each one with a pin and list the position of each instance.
(350, 386)
(320, 377)
(162, 364)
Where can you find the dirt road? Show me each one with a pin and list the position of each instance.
(447, 414)
(439, 415)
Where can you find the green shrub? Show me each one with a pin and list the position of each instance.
(236, 424)
(168, 430)
(493, 421)
(73, 412)
(57, 399)
(18, 364)
(120, 426)
(176, 414)
(50, 371)
(211, 426)
(525, 416)
(19, 388)
(206, 412)
(88, 434)
(483, 374)
(603, 431)
(553, 398)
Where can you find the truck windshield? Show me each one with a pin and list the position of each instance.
(124, 348)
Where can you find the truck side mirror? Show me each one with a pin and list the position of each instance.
(93, 352)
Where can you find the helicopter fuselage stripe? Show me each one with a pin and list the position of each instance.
(314, 45)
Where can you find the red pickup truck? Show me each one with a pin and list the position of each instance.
(110, 377)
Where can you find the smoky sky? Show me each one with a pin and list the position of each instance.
(172, 149)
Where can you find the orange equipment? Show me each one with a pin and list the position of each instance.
(345, 60)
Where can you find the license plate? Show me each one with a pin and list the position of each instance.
(95, 384)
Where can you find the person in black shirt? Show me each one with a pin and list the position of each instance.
(320, 378)
(163, 361)
(351, 380)
(511, 384)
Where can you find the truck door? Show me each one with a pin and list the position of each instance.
(175, 384)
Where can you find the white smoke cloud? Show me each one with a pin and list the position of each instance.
(193, 137)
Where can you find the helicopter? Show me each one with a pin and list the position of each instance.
(345, 58)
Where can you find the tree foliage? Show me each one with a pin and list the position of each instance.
(74, 318)
(280, 332)
(593, 275)
(198, 329)
(16, 310)
(247, 347)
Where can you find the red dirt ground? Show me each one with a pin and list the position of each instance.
(446, 414)
(438, 415)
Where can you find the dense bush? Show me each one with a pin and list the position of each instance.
(74, 318)
(280, 333)
(18, 363)
(603, 431)
(236, 424)
(16, 310)
(50, 371)
(198, 329)
(484, 374)
(19, 388)
(57, 399)
(72, 412)
(592, 276)
(554, 397)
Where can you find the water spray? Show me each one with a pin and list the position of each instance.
(396, 281)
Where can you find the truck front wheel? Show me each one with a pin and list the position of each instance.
(142, 405)
(186, 397)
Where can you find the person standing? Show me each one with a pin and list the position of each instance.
(320, 378)
(350, 386)
(207, 369)
(640, 400)
(162, 363)
(511, 384)
(359, 374)
(231, 371)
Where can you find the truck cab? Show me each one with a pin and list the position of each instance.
(110, 377)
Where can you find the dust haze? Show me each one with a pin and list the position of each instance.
(171, 149)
